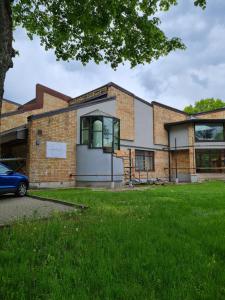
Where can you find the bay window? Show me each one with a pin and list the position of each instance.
(100, 132)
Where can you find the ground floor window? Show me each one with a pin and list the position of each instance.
(210, 160)
(144, 160)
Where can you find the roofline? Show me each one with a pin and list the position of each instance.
(39, 100)
(128, 92)
(170, 108)
(208, 112)
(12, 102)
(190, 121)
(109, 84)
(69, 108)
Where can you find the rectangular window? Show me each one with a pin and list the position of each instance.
(144, 160)
(209, 132)
(210, 160)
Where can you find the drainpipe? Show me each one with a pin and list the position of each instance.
(169, 158)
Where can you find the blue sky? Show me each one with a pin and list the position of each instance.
(177, 79)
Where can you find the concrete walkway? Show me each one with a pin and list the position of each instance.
(13, 209)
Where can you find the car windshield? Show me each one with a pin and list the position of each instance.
(4, 169)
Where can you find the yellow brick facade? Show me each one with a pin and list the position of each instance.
(8, 106)
(49, 103)
(124, 111)
(56, 128)
(162, 115)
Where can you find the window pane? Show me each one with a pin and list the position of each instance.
(3, 169)
(116, 129)
(107, 140)
(116, 143)
(97, 139)
(148, 163)
(85, 123)
(139, 162)
(85, 137)
(97, 125)
(108, 126)
(209, 132)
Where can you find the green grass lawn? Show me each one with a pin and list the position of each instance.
(161, 243)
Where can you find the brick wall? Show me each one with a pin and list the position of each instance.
(161, 165)
(162, 115)
(125, 112)
(56, 128)
(50, 103)
(8, 106)
(212, 115)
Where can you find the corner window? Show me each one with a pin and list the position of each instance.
(100, 132)
(144, 160)
(213, 132)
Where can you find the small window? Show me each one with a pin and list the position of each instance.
(144, 160)
(213, 132)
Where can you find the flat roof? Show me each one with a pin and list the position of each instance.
(190, 121)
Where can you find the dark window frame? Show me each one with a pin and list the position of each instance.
(90, 131)
(199, 160)
(209, 141)
(146, 153)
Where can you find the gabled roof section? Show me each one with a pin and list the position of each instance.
(38, 101)
(70, 108)
(11, 102)
(102, 92)
(97, 112)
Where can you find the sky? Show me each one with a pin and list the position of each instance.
(178, 79)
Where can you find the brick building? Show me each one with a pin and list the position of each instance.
(109, 135)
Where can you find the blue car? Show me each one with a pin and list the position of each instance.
(12, 182)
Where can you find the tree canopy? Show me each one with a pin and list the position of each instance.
(99, 30)
(204, 105)
(112, 31)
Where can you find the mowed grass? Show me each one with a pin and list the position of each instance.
(161, 243)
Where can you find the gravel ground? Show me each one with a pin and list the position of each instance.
(13, 209)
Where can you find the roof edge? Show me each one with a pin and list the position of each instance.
(208, 112)
(12, 102)
(170, 108)
(69, 108)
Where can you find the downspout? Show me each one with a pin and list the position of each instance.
(169, 158)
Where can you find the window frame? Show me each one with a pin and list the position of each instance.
(152, 155)
(90, 131)
(199, 154)
(210, 141)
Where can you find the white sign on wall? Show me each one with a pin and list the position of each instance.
(55, 150)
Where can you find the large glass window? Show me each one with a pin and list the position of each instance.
(144, 160)
(209, 132)
(100, 132)
(210, 161)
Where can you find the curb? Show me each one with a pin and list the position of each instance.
(80, 206)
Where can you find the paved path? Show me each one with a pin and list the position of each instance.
(12, 208)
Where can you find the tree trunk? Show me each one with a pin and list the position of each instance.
(6, 49)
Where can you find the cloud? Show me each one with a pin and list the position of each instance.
(178, 79)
